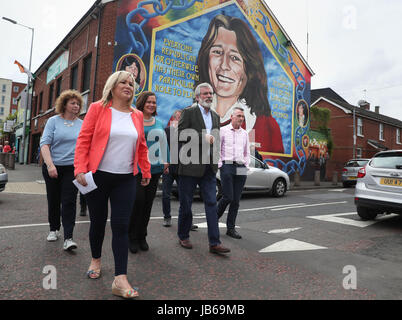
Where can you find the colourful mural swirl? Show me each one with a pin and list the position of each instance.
(237, 47)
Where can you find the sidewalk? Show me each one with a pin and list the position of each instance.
(28, 179)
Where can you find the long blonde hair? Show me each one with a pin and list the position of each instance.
(112, 82)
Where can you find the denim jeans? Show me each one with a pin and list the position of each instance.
(167, 182)
(187, 187)
(232, 186)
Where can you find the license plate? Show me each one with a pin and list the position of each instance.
(352, 178)
(391, 182)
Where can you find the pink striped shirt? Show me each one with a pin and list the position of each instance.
(235, 145)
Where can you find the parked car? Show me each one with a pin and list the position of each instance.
(261, 177)
(3, 177)
(379, 185)
(350, 170)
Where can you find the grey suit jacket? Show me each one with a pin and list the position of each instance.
(195, 153)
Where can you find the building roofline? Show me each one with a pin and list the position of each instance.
(288, 38)
(74, 31)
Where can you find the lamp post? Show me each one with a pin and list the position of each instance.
(28, 86)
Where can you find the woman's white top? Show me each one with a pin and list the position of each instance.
(120, 150)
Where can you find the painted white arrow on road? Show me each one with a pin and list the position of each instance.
(356, 223)
(291, 245)
(282, 231)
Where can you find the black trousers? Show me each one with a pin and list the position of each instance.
(142, 208)
(120, 190)
(61, 199)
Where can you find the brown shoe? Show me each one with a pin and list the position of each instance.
(186, 244)
(218, 249)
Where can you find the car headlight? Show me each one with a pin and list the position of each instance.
(2, 169)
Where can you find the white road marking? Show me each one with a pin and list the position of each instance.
(204, 225)
(356, 223)
(291, 245)
(310, 205)
(283, 231)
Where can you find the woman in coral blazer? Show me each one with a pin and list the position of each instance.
(112, 145)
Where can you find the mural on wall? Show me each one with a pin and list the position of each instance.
(236, 46)
(316, 148)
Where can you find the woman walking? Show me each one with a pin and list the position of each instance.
(158, 155)
(57, 147)
(111, 145)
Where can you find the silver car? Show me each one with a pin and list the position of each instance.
(260, 178)
(3, 177)
(350, 170)
(379, 185)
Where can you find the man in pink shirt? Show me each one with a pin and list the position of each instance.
(233, 164)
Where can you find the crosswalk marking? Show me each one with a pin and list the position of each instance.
(291, 245)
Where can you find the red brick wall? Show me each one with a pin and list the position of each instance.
(341, 125)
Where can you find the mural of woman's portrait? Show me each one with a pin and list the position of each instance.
(133, 64)
(230, 60)
(302, 113)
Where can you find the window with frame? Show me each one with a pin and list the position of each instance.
(16, 89)
(86, 74)
(381, 132)
(3, 99)
(50, 101)
(15, 101)
(359, 127)
(398, 136)
(74, 77)
(4, 88)
(1, 111)
(358, 152)
(41, 102)
(58, 86)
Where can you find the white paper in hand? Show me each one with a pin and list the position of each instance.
(90, 184)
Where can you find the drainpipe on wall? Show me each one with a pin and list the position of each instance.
(97, 49)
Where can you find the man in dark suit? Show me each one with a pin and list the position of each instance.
(198, 163)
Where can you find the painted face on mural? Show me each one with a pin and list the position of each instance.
(226, 65)
(133, 70)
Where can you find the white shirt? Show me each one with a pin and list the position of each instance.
(120, 150)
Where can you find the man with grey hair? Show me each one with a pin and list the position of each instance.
(233, 163)
(198, 164)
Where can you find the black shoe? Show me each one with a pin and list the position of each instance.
(193, 227)
(233, 233)
(134, 246)
(144, 245)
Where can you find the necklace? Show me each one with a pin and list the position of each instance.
(149, 120)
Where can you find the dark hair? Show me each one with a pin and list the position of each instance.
(142, 99)
(256, 90)
(128, 61)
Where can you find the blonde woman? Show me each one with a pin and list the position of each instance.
(57, 147)
(112, 145)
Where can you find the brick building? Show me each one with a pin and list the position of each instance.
(82, 61)
(374, 131)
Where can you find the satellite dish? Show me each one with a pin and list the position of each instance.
(362, 102)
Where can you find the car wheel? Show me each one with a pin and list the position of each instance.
(279, 188)
(218, 190)
(345, 184)
(366, 213)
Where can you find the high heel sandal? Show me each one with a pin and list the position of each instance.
(124, 293)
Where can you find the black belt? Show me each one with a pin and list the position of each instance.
(234, 163)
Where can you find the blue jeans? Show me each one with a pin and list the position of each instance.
(187, 187)
(232, 186)
(167, 182)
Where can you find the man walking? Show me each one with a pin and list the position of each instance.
(233, 164)
(198, 163)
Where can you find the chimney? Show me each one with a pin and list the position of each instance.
(377, 109)
(364, 105)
